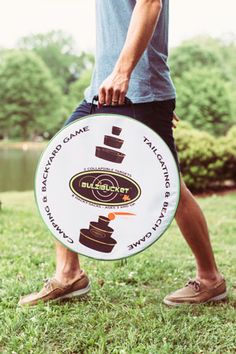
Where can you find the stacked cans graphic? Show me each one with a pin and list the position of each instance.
(110, 154)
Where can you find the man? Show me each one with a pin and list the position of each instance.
(131, 60)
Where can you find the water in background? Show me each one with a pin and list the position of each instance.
(17, 169)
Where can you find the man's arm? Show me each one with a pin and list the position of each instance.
(142, 25)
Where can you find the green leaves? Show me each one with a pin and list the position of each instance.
(206, 162)
(58, 51)
(36, 96)
(29, 97)
(205, 100)
(204, 74)
(76, 93)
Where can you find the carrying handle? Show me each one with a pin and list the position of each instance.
(95, 99)
(127, 100)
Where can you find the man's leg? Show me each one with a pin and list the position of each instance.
(193, 226)
(68, 280)
(67, 264)
(209, 285)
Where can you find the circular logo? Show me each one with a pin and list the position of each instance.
(110, 188)
(107, 186)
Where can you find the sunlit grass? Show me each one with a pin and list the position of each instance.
(124, 312)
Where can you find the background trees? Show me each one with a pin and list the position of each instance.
(76, 92)
(48, 75)
(205, 99)
(204, 72)
(58, 51)
(29, 98)
(40, 83)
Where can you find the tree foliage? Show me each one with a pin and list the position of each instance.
(203, 69)
(198, 51)
(205, 100)
(206, 162)
(58, 51)
(29, 97)
(77, 89)
(204, 72)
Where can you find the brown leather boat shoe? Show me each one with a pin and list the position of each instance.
(54, 290)
(196, 292)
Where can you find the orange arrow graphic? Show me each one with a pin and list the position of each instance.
(111, 216)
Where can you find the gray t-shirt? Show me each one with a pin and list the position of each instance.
(150, 80)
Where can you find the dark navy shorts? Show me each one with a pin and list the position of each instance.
(157, 115)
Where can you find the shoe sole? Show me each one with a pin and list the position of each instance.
(74, 293)
(212, 299)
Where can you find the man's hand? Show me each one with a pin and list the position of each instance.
(175, 119)
(113, 89)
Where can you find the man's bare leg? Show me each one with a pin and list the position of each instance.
(193, 226)
(67, 264)
(74, 281)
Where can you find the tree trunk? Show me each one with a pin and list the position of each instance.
(24, 130)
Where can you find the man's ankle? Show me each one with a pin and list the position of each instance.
(67, 277)
(209, 278)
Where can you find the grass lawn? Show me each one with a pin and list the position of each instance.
(124, 311)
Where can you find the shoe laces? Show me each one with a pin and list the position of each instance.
(194, 284)
(47, 283)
